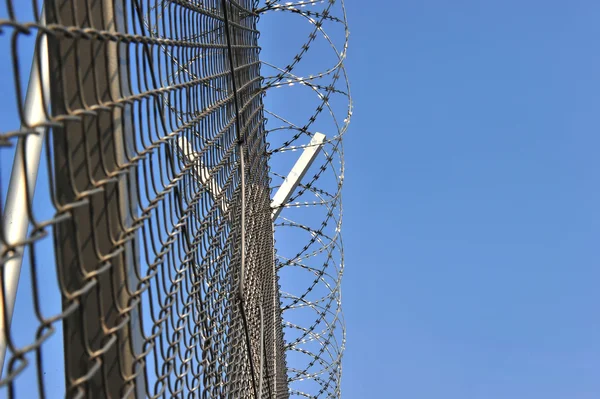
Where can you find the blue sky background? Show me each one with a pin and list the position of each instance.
(472, 200)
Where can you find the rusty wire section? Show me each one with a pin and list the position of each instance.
(148, 261)
(308, 92)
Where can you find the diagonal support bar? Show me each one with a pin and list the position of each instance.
(202, 172)
(22, 185)
(297, 173)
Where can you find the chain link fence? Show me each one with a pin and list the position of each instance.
(151, 254)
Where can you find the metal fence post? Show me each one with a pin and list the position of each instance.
(94, 248)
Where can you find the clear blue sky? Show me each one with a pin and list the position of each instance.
(472, 201)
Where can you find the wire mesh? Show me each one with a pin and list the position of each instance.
(157, 202)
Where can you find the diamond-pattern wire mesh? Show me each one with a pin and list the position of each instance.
(154, 150)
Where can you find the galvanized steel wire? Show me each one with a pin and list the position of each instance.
(163, 252)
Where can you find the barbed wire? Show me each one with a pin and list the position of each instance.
(309, 244)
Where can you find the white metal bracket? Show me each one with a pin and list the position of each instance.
(297, 173)
(201, 171)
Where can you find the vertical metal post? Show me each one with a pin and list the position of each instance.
(94, 254)
(22, 186)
